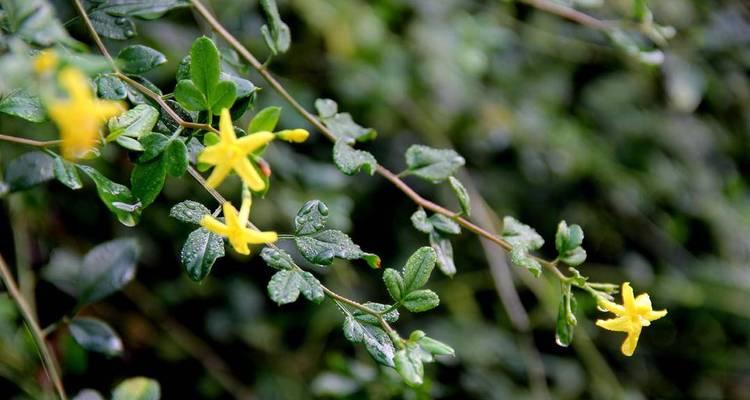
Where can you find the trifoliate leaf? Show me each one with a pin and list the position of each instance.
(137, 59)
(418, 268)
(189, 211)
(394, 283)
(568, 242)
(277, 258)
(311, 218)
(421, 222)
(134, 123)
(137, 389)
(341, 124)
(444, 251)
(445, 224)
(524, 239)
(434, 165)
(420, 300)
(461, 194)
(201, 249)
(95, 335)
(350, 161)
(375, 339)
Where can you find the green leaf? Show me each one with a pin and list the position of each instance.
(189, 96)
(524, 239)
(189, 211)
(568, 242)
(376, 340)
(222, 96)
(277, 258)
(66, 173)
(110, 87)
(95, 335)
(147, 180)
(176, 158)
(278, 36)
(109, 26)
(408, 364)
(341, 124)
(201, 249)
(204, 65)
(116, 197)
(394, 283)
(420, 300)
(134, 123)
(22, 103)
(265, 120)
(244, 87)
(113, 18)
(29, 170)
(34, 21)
(286, 285)
(418, 268)
(183, 69)
(461, 194)
(445, 224)
(321, 247)
(129, 143)
(153, 145)
(137, 59)
(139, 388)
(311, 218)
(566, 319)
(105, 269)
(421, 222)
(88, 394)
(362, 316)
(435, 347)
(434, 165)
(444, 251)
(350, 161)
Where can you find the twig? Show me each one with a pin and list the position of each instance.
(94, 35)
(48, 359)
(569, 13)
(29, 142)
(384, 172)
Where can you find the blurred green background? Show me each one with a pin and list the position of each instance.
(555, 122)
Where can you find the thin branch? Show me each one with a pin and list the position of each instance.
(384, 172)
(94, 35)
(29, 142)
(48, 358)
(569, 14)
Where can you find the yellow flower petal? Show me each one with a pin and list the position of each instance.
(256, 237)
(630, 343)
(226, 128)
(254, 141)
(249, 175)
(218, 175)
(654, 315)
(245, 210)
(627, 296)
(612, 307)
(45, 61)
(619, 324)
(213, 225)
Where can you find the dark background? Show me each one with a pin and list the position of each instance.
(555, 122)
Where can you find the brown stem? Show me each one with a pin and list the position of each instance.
(569, 13)
(29, 142)
(48, 358)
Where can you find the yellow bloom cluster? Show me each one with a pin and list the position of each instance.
(235, 227)
(79, 116)
(232, 153)
(632, 316)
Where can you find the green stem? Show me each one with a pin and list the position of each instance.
(48, 359)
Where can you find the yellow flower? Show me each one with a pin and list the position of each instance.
(45, 61)
(293, 135)
(235, 228)
(632, 315)
(80, 116)
(231, 154)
